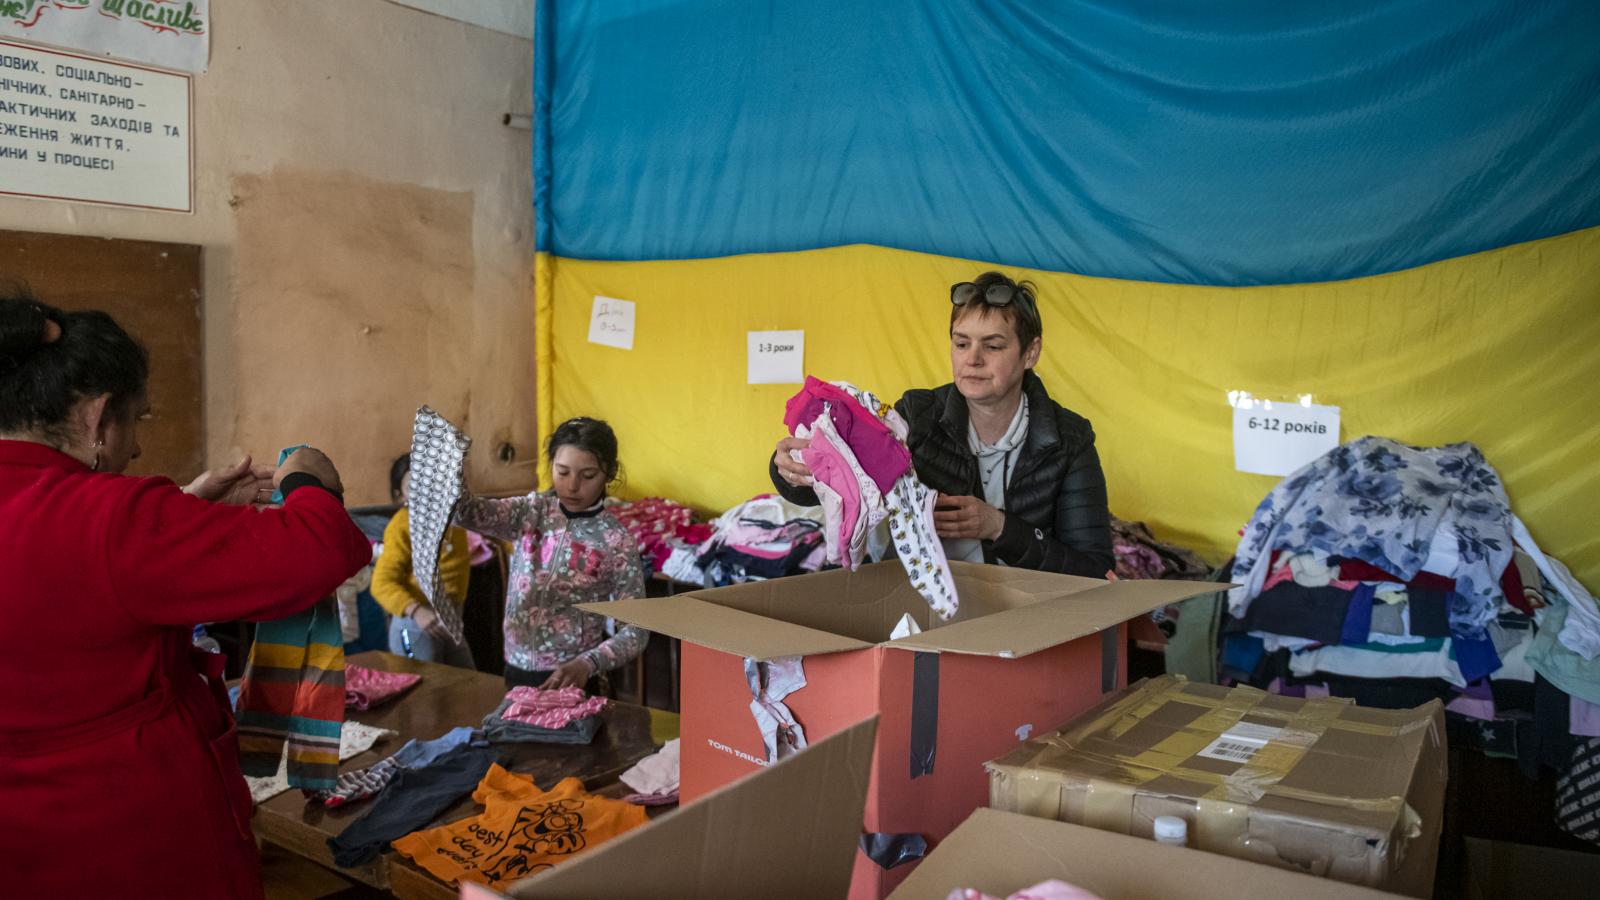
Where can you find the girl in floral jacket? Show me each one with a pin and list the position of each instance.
(566, 550)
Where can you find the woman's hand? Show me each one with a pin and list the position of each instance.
(573, 673)
(240, 484)
(428, 621)
(790, 469)
(967, 517)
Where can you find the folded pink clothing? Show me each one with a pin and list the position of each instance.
(551, 709)
(365, 688)
(663, 799)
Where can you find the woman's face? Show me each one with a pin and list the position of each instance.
(986, 361)
(578, 477)
(405, 490)
(121, 435)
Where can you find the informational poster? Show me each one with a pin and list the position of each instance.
(1277, 438)
(777, 357)
(611, 323)
(173, 34)
(88, 130)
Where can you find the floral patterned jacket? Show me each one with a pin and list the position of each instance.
(557, 562)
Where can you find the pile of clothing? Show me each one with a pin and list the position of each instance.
(536, 715)
(863, 476)
(661, 527)
(1392, 575)
(1140, 555)
(766, 537)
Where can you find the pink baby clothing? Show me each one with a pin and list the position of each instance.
(551, 709)
(365, 688)
(1047, 890)
(880, 455)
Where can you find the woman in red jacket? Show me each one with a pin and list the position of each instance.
(119, 763)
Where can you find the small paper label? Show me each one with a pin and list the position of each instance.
(1240, 743)
(611, 323)
(1278, 438)
(777, 357)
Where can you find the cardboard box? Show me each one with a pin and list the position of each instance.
(1320, 786)
(1001, 853)
(788, 831)
(1028, 651)
(1498, 870)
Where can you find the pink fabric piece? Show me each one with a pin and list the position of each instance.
(666, 799)
(551, 709)
(1585, 718)
(1045, 890)
(1473, 707)
(829, 467)
(879, 452)
(365, 688)
(1286, 573)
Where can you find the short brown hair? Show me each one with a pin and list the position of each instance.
(1022, 312)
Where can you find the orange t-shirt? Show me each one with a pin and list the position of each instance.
(522, 830)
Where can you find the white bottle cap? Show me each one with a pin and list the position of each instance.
(1171, 830)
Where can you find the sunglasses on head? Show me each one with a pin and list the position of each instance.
(997, 294)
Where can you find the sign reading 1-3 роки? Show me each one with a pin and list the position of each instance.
(88, 130)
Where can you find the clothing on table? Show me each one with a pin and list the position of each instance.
(363, 783)
(1383, 502)
(1289, 609)
(412, 798)
(1358, 619)
(1581, 631)
(293, 692)
(550, 708)
(1555, 661)
(755, 541)
(111, 717)
(438, 483)
(659, 527)
(500, 729)
(365, 688)
(522, 830)
(1585, 721)
(657, 773)
(559, 559)
(1140, 555)
(1578, 793)
(665, 798)
(517, 677)
(1045, 890)
(1430, 659)
(354, 740)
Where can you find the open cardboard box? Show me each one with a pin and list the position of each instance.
(787, 831)
(1027, 652)
(1000, 853)
(1320, 786)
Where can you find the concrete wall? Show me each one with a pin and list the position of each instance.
(368, 234)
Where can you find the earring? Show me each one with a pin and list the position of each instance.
(96, 466)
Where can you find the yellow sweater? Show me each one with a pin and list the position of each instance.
(394, 586)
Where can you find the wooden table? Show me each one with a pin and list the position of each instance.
(447, 697)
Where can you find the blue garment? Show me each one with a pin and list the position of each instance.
(1382, 502)
(1358, 620)
(1242, 653)
(416, 754)
(1476, 657)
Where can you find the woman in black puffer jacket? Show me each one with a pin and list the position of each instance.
(1017, 473)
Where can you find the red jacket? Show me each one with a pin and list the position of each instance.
(118, 762)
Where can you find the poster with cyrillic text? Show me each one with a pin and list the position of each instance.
(1278, 438)
(87, 130)
(611, 323)
(173, 34)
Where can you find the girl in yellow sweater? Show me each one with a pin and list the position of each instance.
(414, 629)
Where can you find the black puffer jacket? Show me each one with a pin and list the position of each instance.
(1056, 514)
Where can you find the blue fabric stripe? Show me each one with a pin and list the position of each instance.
(295, 725)
(1238, 142)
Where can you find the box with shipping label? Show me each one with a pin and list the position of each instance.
(765, 663)
(1321, 786)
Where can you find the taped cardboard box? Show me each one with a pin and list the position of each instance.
(1320, 786)
(787, 831)
(1027, 652)
(1001, 853)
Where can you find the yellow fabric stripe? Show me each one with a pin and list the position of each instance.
(544, 381)
(1500, 348)
(289, 656)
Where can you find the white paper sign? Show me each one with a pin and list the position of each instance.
(611, 323)
(83, 129)
(1278, 438)
(175, 34)
(777, 357)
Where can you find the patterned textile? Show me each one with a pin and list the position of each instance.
(365, 688)
(1397, 507)
(293, 691)
(1578, 793)
(556, 563)
(1140, 555)
(354, 740)
(551, 709)
(361, 784)
(438, 481)
(659, 526)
